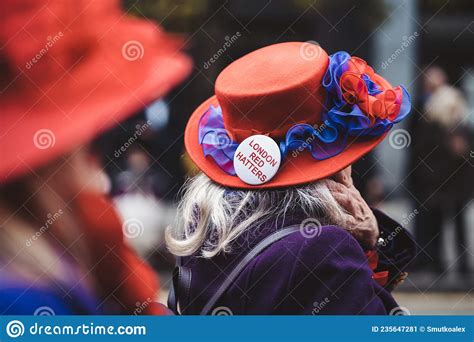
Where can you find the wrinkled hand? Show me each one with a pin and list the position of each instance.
(400, 280)
(359, 218)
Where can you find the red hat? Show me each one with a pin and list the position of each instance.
(321, 112)
(71, 69)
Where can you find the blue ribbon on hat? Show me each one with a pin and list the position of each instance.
(215, 141)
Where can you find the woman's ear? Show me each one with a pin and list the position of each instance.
(344, 176)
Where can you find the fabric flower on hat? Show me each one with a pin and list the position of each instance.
(360, 102)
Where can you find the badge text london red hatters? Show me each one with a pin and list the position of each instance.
(256, 160)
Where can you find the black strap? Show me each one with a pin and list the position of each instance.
(278, 235)
(181, 284)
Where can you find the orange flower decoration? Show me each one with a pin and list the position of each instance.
(375, 97)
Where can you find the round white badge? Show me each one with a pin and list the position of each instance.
(257, 159)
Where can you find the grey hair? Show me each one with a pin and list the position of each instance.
(211, 217)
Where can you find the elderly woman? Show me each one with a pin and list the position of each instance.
(62, 248)
(274, 224)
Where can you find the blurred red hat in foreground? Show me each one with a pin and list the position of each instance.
(71, 69)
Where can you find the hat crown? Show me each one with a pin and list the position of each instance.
(271, 89)
(50, 37)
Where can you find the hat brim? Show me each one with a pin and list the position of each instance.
(95, 95)
(293, 171)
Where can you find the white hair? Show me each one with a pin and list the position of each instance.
(446, 106)
(211, 217)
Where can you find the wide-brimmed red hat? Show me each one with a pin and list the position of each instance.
(71, 69)
(321, 113)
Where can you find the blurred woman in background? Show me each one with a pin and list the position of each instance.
(70, 70)
(443, 141)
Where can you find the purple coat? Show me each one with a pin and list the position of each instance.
(325, 274)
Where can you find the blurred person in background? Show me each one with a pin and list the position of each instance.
(443, 140)
(140, 200)
(144, 169)
(137, 176)
(69, 71)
